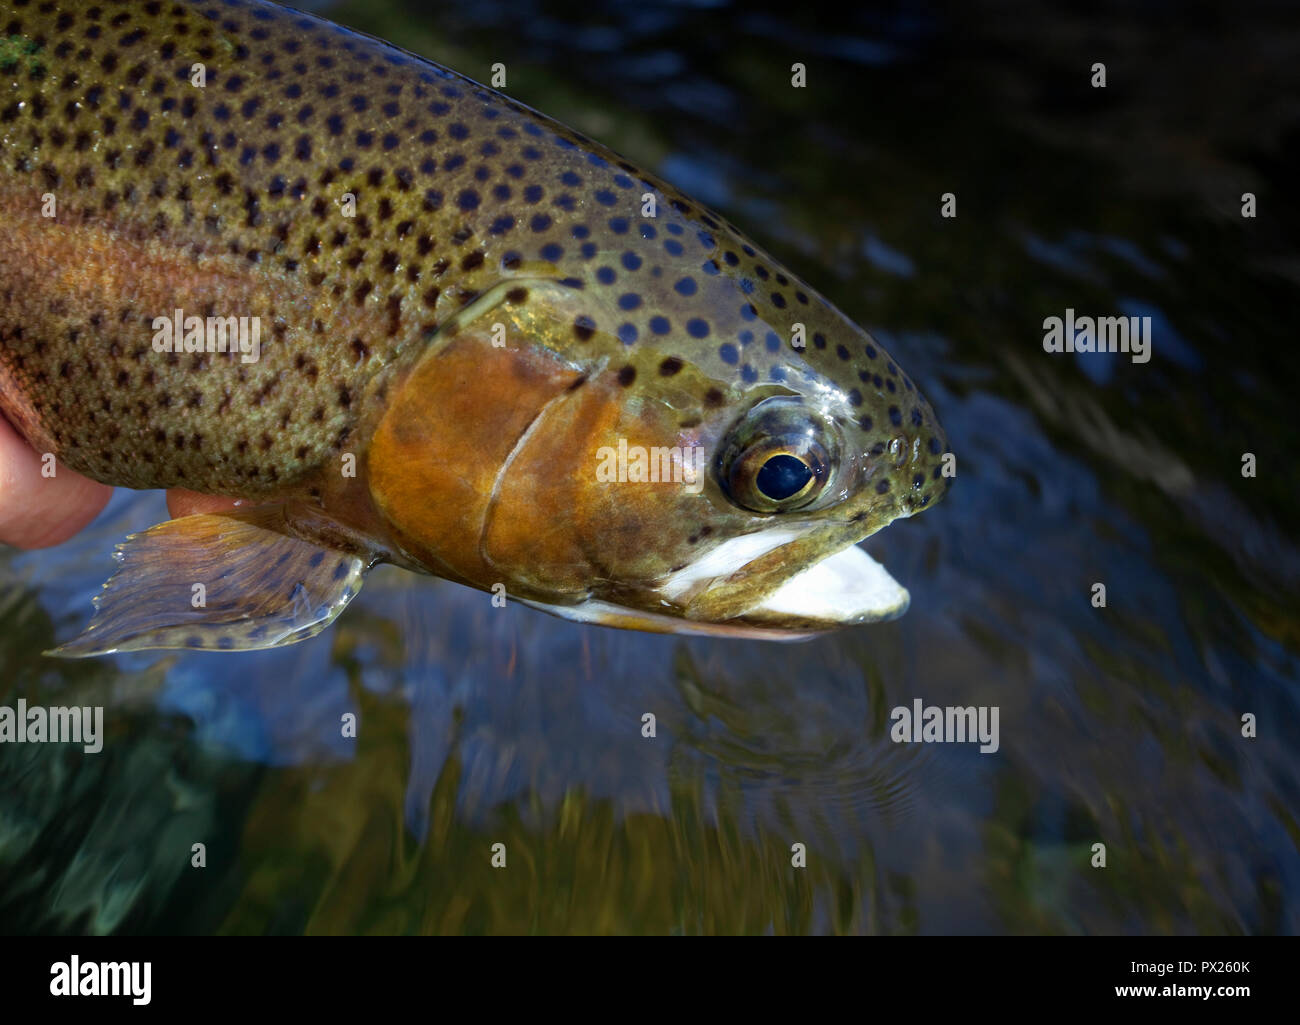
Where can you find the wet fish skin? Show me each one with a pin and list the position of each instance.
(472, 213)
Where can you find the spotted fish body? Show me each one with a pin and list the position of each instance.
(462, 300)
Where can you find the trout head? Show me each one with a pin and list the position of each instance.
(706, 468)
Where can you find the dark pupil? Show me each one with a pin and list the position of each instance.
(783, 477)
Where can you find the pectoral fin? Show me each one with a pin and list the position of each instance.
(218, 582)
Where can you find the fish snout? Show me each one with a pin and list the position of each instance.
(925, 473)
(905, 473)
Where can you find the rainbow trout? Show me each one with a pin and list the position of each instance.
(253, 254)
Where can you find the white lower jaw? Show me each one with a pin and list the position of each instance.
(847, 587)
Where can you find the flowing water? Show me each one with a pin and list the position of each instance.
(1119, 725)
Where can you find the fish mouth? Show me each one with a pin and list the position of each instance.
(846, 588)
(777, 589)
(765, 599)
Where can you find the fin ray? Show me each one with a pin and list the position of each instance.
(260, 587)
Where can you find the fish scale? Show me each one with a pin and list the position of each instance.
(455, 187)
(365, 205)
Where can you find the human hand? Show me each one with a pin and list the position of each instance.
(38, 511)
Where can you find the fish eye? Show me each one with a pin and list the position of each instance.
(779, 457)
(783, 477)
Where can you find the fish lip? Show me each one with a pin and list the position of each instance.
(844, 588)
(778, 587)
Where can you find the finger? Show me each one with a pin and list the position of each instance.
(39, 511)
